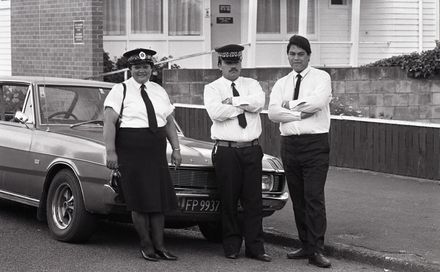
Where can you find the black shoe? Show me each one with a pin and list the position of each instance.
(152, 257)
(232, 256)
(299, 254)
(166, 255)
(261, 257)
(319, 260)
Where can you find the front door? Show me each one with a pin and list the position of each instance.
(225, 24)
(16, 165)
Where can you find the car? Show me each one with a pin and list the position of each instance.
(52, 156)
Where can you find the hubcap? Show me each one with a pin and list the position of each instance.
(63, 206)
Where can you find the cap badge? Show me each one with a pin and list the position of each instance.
(231, 54)
(142, 55)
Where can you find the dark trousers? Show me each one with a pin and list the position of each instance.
(238, 172)
(306, 161)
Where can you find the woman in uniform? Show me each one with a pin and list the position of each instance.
(138, 149)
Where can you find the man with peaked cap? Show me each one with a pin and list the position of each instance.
(139, 150)
(300, 103)
(234, 104)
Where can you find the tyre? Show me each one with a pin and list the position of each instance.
(67, 217)
(212, 231)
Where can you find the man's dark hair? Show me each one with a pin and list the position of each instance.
(301, 42)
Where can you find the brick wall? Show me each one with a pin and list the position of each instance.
(388, 93)
(42, 38)
(376, 92)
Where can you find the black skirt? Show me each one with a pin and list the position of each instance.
(145, 178)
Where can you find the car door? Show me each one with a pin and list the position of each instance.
(15, 141)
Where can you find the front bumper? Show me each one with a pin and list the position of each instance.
(271, 203)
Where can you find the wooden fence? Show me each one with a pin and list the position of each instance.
(395, 147)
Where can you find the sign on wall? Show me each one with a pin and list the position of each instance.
(225, 20)
(225, 8)
(78, 32)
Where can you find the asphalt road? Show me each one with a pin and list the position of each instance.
(391, 215)
(25, 245)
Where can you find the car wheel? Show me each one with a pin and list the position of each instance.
(67, 217)
(212, 231)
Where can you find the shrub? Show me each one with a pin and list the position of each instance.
(417, 65)
(110, 66)
(340, 106)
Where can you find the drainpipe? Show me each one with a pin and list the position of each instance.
(127, 25)
(302, 23)
(355, 17)
(252, 33)
(420, 25)
(437, 20)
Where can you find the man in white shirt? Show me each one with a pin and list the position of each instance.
(234, 104)
(300, 103)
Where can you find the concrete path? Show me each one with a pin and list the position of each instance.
(389, 220)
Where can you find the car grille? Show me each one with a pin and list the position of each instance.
(205, 179)
(187, 178)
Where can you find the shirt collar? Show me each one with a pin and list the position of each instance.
(303, 72)
(136, 84)
(229, 82)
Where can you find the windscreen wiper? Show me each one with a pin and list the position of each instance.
(99, 122)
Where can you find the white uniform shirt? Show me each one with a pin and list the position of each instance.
(224, 116)
(314, 97)
(135, 112)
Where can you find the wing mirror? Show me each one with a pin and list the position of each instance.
(21, 117)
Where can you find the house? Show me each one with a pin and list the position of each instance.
(344, 33)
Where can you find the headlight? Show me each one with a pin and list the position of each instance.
(267, 183)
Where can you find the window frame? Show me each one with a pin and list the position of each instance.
(28, 106)
(284, 35)
(334, 6)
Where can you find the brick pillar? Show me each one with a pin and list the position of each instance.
(42, 38)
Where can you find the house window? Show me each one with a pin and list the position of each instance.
(282, 16)
(114, 17)
(185, 17)
(146, 16)
(268, 16)
(292, 16)
(338, 2)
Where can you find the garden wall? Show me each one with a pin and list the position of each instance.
(375, 92)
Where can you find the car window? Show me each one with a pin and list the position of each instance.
(71, 104)
(12, 97)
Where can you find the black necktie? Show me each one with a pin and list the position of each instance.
(241, 118)
(298, 83)
(152, 122)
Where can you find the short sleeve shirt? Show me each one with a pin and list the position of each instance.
(135, 112)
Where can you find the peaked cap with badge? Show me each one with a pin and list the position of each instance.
(230, 52)
(139, 56)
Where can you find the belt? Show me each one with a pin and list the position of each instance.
(236, 144)
(315, 135)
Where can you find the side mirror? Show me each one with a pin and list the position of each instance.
(21, 117)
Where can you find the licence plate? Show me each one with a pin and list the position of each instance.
(202, 205)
